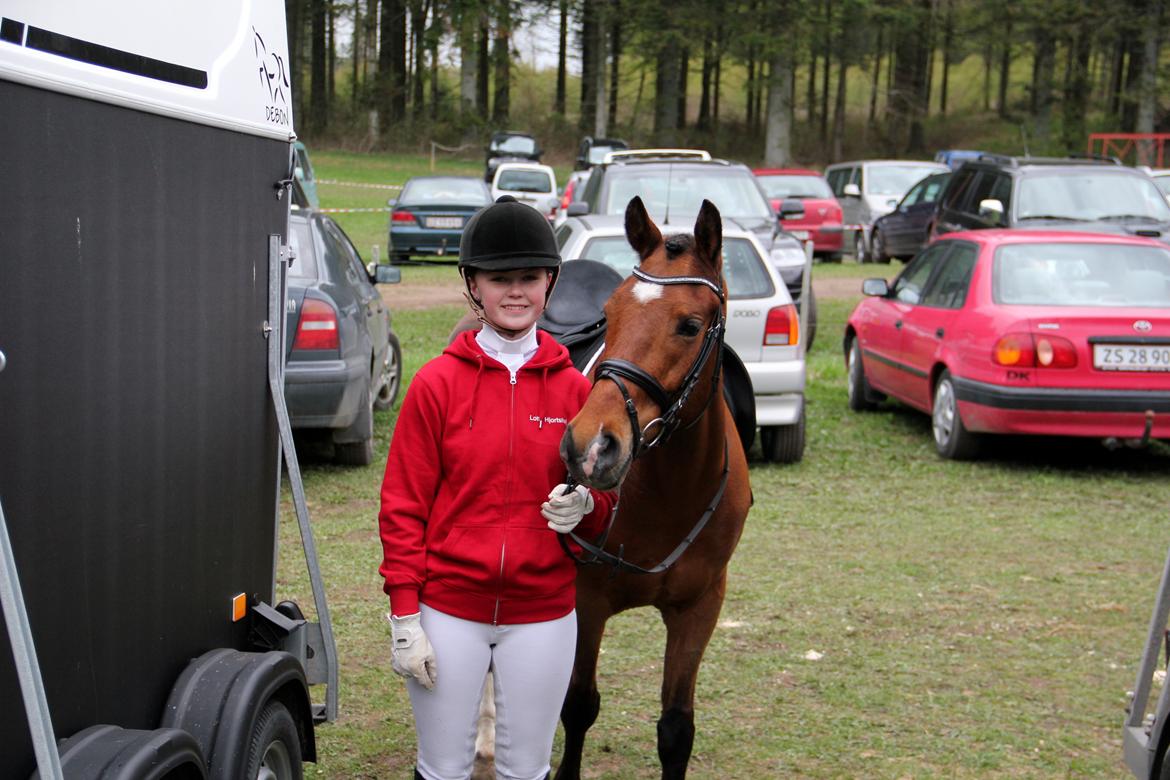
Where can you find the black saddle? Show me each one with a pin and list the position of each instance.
(575, 317)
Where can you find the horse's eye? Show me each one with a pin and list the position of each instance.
(689, 327)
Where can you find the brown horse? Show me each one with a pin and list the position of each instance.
(657, 428)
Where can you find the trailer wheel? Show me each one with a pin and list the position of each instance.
(275, 749)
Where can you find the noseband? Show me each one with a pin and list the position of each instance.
(616, 370)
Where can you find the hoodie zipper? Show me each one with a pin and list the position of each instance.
(507, 493)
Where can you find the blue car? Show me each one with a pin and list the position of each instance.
(429, 216)
(904, 231)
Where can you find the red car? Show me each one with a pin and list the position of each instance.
(822, 213)
(1023, 332)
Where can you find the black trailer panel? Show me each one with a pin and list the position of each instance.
(138, 444)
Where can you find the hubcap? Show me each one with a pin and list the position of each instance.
(944, 413)
(277, 764)
(852, 383)
(389, 375)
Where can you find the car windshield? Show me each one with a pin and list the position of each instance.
(681, 191)
(794, 186)
(469, 191)
(515, 144)
(742, 266)
(303, 265)
(895, 180)
(1092, 195)
(1076, 274)
(524, 181)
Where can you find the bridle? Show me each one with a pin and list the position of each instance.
(616, 370)
(670, 405)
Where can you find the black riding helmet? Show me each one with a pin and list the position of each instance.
(505, 236)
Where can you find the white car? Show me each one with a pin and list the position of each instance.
(762, 323)
(530, 183)
(1161, 177)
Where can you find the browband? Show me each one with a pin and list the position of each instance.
(645, 277)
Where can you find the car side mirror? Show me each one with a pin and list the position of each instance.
(875, 287)
(791, 208)
(851, 191)
(991, 210)
(577, 209)
(384, 274)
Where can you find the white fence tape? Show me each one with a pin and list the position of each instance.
(360, 184)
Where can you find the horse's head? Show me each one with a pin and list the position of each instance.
(664, 335)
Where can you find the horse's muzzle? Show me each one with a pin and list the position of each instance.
(599, 463)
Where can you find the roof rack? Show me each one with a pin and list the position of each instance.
(622, 155)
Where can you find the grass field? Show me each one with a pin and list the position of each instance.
(973, 620)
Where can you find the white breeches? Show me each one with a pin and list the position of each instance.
(531, 664)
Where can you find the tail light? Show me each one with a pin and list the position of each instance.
(782, 328)
(403, 217)
(567, 198)
(317, 328)
(1034, 350)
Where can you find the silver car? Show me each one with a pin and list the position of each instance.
(762, 322)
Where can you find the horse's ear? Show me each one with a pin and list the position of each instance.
(709, 235)
(642, 234)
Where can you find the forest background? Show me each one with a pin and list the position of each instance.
(778, 82)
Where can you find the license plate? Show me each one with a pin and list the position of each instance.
(1131, 357)
(801, 234)
(445, 222)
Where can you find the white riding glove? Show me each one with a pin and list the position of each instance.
(412, 655)
(563, 512)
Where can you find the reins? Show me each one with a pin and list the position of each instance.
(617, 370)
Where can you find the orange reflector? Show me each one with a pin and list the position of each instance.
(239, 607)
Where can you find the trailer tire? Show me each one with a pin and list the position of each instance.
(129, 754)
(275, 749)
(222, 697)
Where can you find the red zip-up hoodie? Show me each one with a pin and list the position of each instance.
(473, 457)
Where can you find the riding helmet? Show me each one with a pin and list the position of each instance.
(505, 236)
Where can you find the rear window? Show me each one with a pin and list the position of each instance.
(1067, 274)
(794, 186)
(524, 181)
(681, 191)
(743, 268)
(466, 191)
(514, 144)
(304, 264)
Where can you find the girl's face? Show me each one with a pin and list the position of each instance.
(512, 300)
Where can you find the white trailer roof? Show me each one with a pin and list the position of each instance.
(215, 62)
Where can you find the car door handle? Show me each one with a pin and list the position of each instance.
(898, 325)
(940, 333)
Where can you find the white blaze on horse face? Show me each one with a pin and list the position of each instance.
(592, 453)
(647, 291)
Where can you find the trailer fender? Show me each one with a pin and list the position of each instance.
(219, 698)
(114, 753)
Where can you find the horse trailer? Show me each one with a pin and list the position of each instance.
(147, 157)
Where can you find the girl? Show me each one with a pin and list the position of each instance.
(476, 577)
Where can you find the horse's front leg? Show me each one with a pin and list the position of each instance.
(582, 701)
(688, 629)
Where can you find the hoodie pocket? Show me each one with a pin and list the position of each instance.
(468, 558)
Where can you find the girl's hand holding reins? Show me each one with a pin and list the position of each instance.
(563, 512)
(412, 655)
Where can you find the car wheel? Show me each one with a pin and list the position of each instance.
(859, 248)
(391, 376)
(360, 452)
(879, 248)
(951, 438)
(784, 443)
(831, 257)
(861, 396)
